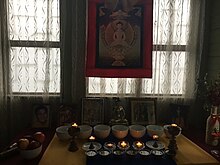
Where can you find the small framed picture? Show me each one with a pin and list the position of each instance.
(41, 116)
(92, 111)
(66, 115)
(143, 111)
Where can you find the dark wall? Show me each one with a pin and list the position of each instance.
(210, 62)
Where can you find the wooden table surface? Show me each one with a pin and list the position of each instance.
(188, 153)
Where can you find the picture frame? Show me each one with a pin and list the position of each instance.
(41, 116)
(179, 114)
(65, 115)
(130, 57)
(92, 111)
(143, 111)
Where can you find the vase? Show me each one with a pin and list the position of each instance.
(212, 126)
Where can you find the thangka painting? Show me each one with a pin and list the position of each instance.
(119, 39)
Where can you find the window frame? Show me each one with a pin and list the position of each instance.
(37, 44)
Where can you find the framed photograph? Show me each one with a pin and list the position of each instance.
(66, 115)
(41, 116)
(92, 111)
(143, 111)
(119, 42)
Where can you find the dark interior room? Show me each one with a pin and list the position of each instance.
(93, 82)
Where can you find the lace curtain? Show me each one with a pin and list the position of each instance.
(176, 27)
(34, 36)
(29, 60)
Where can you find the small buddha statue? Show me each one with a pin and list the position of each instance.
(119, 114)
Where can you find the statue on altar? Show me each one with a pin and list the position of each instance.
(118, 114)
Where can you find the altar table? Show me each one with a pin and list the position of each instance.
(188, 153)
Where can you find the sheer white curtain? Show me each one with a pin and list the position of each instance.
(34, 36)
(29, 60)
(175, 56)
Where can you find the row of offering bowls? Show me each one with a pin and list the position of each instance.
(122, 147)
(119, 131)
(144, 153)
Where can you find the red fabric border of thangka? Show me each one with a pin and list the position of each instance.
(145, 72)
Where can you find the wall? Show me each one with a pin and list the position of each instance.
(210, 62)
(214, 39)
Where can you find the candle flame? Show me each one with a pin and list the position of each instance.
(109, 144)
(91, 138)
(74, 125)
(173, 125)
(155, 137)
(123, 144)
(139, 144)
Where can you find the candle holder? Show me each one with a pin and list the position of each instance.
(73, 132)
(123, 145)
(138, 145)
(155, 144)
(110, 146)
(91, 139)
(173, 130)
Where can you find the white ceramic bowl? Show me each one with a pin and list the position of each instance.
(137, 131)
(31, 153)
(85, 131)
(167, 133)
(62, 133)
(155, 130)
(120, 131)
(101, 131)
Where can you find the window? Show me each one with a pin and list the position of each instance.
(34, 34)
(170, 57)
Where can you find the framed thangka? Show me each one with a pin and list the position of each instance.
(119, 42)
(92, 111)
(143, 111)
